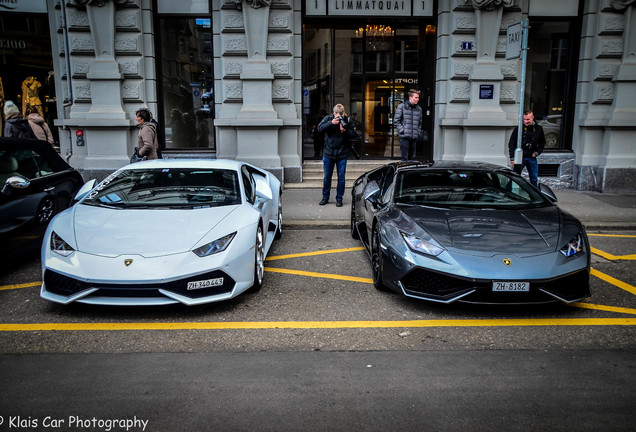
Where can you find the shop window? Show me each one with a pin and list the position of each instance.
(187, 82)
(549, 74)
(26, 66)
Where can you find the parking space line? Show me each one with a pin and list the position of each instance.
(609, 256)
(612, 235)
(609, 279)
(280, 325)
(319, 275)
(17, 286)
(604, 308)
(306, 254)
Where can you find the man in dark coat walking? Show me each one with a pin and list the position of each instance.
(408, 122)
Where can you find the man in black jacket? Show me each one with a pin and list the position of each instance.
(532, 144)
(338, 131)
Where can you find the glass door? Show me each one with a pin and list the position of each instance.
(368, 69)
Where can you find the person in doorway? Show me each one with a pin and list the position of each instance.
(147, 137)
(38, 125)
(337, 129)
(15, 126)
(408, 121)
(532, 144)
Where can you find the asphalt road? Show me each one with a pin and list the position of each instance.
(318, 348)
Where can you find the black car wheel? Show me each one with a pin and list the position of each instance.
(259, 260)
(354, 232)
(45, 210)
(376, 260)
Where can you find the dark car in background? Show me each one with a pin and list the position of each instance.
(474, 232)
(36, 184)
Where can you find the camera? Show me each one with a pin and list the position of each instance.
(344, 121)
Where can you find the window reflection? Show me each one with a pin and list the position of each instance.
(187, 83)
(549, 59)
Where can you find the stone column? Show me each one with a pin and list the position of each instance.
(484, 137)
(104, 73)
(257, 124)
(486, 71)
(106, 127)
(625, 80)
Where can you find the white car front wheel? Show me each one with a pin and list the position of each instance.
(259, 259)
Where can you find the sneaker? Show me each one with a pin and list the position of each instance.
(323, 201)
(339, 203)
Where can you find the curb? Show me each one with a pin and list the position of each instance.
(342, 224)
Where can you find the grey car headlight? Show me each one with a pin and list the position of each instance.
(420, 245)
(218, 245)
(573, 247)
(59, 246)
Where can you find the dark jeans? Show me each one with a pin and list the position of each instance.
(341, 167)
(407, 148)
(533, 170)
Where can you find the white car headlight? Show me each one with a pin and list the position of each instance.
(59, 246)
(420, 245)
(573, 247)
(218, 245)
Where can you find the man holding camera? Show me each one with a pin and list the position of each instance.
(338, 131)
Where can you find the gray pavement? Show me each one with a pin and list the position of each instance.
(595, 210)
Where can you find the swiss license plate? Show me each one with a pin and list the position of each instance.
(208, 283)
(500, 286)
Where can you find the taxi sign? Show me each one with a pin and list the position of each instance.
(514, 36)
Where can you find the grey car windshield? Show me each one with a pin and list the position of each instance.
(453, 188)
(167, 187)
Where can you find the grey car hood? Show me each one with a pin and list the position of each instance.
(520, 232)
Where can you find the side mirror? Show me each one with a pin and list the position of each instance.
(371, 192)
(545, 190)
(15, 182)
(18, 182)
(84, 190)
(262, 187)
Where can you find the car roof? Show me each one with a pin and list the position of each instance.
(448, 164)
(188, 163)
(43, 148)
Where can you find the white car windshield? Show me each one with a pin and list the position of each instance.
(456, 188)
(167, 187)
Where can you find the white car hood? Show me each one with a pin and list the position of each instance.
(145, 232)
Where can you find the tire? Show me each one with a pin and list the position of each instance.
(376, 260)
(279, 229)
(354, 231)
(45, 211)
(259, 259)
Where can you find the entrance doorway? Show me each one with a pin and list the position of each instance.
(368, 68)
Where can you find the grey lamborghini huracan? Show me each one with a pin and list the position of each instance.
(469, 231)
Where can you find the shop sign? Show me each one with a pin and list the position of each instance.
(34, 6)
(14, 44)
(357, 8)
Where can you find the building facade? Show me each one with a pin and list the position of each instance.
(249, 79)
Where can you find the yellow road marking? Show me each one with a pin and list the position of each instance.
(612, 235)
(306, 254)
(17, 286)
(604, 308)
(620, 284)
(264, 325)
(609, 256)
(319, 275)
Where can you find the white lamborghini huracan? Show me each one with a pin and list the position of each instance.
(164, 231)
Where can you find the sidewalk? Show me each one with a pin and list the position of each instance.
(596, 211)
